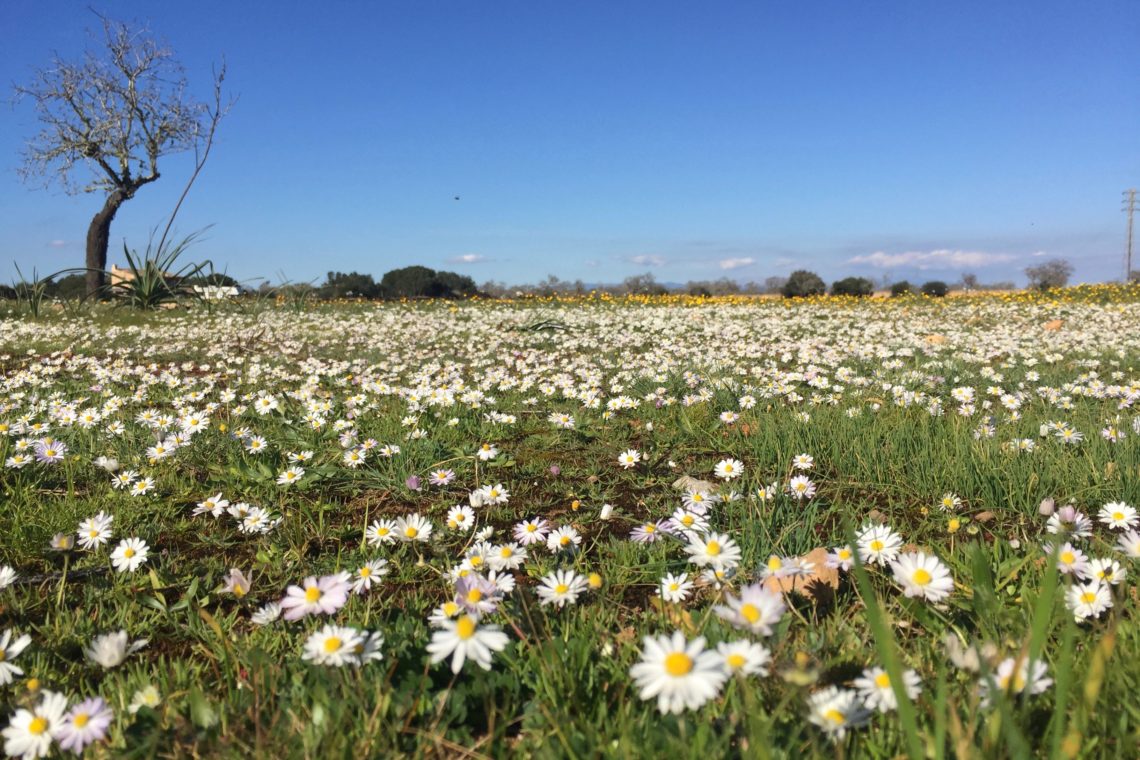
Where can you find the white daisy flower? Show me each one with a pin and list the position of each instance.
(681, 675)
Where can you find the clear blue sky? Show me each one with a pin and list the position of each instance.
(596, 140)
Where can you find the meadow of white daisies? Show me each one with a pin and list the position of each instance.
(630, 529)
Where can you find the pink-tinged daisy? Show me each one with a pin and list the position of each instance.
(649, 532)
(531, 531)
(314, 596)
(84, 724)
(756, 610)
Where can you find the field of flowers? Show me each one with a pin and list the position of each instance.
(641, 528)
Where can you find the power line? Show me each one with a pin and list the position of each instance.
(1130, 207)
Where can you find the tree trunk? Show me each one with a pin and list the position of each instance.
(98, 238)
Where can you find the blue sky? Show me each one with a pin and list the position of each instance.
(596, 140)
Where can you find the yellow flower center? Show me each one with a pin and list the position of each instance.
(333, 644)
(774, 563)
(883, 681)
(465, 628)
(460, 517)
(365, 572)
(678, 664)
(411, 532)
(712, 548)
(921, 577)
(80, 720)
(93, 533)
(474, 596)
(736, 661)
(835, 716)
(1117, 515)
(564, 540)
(688, 520)
(37, 726)
(561, 588)
(312, 594)
(128, 553)
(506, 552)
(750, 612)
(876, 545)
(844, 554)
(1068, 557)
(450, 608)
(1088, 597)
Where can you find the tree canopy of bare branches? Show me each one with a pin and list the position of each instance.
(1054, 273)
(114, 115)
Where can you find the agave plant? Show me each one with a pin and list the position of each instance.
(32, 293)
(154, 280)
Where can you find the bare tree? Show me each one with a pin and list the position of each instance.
(969, 281)
(774, 284)
(115, 113)
(1052, 274)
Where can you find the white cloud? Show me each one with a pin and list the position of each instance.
(647, 260)
(57, 244)
(467, 258)
(736, 263)
(939, 259)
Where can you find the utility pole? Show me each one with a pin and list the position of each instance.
(1130, 207)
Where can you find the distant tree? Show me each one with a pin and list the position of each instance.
(1052, 274)
(775, 284)
(69, 288)
(723, 287)
(802, 283)
(351, 285)
(421, 282)
(969, 281)
(410, 282)
(117, 113)
(7, 293)
(456, 285)
(552, 286)
(215, 279)
(495, 289)
(643, 284)
(852, 286)
(935, 288)
(901, 288)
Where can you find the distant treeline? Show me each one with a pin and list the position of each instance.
(799, 284)
(423, 282)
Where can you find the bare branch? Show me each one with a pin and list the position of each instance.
(116, 113)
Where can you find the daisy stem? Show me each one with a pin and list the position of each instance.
(62, 580)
